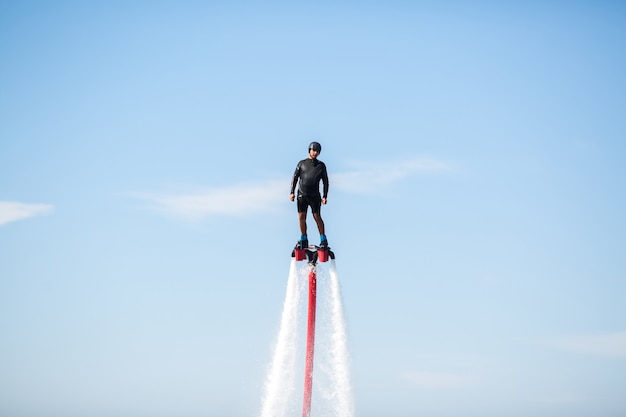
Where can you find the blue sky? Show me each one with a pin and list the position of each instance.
(476, 154)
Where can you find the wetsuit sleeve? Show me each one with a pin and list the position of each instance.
(294, 179)
(325, 182)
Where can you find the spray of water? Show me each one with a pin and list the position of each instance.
(332, 395)
(341, 390)
(280, 380)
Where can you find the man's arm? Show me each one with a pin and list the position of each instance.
(325, 183)
(294, 181)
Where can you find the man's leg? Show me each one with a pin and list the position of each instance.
(302, 219)
(320, 223)
(302, 211)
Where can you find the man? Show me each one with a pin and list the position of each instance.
(310, 172)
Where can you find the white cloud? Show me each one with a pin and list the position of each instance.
(600, 344)
(562, 399)
(374, 176)
(437, 380)
(11, 211)
(240, 199)
(252, 198)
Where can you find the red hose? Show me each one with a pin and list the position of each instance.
(310, 345)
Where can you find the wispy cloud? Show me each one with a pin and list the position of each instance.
(11, 211)
(599, 344)
(241, 199)
(270, 195)
(437, 380)
(372, 177)
(562, 399)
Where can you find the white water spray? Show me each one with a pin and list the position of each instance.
(280, 380)
(341, 390)
(332, 392)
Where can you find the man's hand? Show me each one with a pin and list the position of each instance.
(323, 200)
(292, 196)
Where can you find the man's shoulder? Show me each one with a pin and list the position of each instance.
(312, 163)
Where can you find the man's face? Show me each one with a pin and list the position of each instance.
(313, 153)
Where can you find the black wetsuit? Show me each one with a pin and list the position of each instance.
(310, 172)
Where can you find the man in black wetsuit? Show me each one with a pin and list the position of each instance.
(310, 172)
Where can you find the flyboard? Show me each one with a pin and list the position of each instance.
(313, 254)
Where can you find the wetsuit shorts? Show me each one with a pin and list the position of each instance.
(315, 201)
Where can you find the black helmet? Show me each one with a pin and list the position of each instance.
(315, 146)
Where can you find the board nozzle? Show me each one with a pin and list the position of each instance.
(300, 254)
